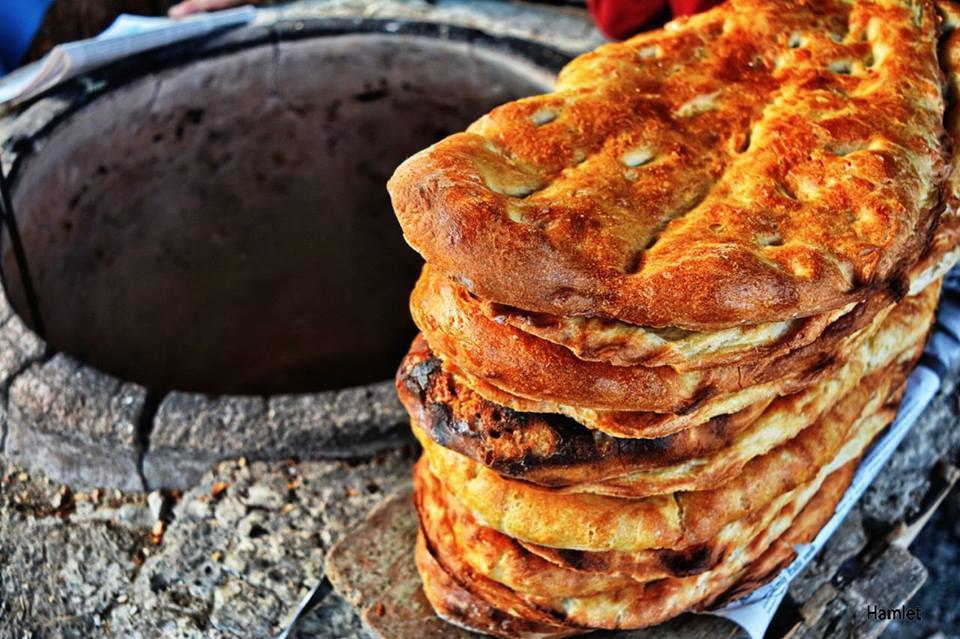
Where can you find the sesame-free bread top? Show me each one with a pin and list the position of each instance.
(762, 161)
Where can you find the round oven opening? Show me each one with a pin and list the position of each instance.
(223, 226)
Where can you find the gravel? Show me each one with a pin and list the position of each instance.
(232, 557)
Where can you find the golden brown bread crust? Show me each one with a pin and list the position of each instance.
(602, 340)
(637, 424)
(600, 523)
(843, 334)
(944, 250)
(622, 344)
(485, 552)
(818, 427)
(528, 367)
(762, 161)
(558, 572)
(625, 344)
(783, 551)
(458, 606)
(640, 605)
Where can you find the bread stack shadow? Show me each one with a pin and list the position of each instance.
(588, 463)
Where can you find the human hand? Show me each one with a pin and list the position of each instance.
(187, 7)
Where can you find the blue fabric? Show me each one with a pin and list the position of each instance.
(19, 22)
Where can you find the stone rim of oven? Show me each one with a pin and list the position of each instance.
(85, 427)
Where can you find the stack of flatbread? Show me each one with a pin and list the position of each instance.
(667, 307)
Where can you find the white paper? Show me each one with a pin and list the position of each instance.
(755, 611)
(127, 36)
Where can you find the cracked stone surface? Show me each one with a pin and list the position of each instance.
(192, 431)
(231, 557)
(898, 491)
(64, 557)
(19, 345)
(76, 424)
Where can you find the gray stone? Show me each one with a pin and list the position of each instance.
(192, 431)
(19, 346)
(247, 543)
(175, 468)
(239, 552)
(211, 424)
(347, 423)
(847, 542)
(58, 579)
(76, 424)
(569, 29)
(60, 574)
(131, 515)
(156, 503)
(81, 464)
(898, 491)
(265, 496)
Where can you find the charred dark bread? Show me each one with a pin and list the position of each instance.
(543, 448)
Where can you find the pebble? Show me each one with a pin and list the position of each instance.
(155, 501)
(261, 496)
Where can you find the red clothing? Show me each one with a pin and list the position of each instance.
(620, 19)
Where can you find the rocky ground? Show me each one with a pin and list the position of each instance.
(938, 547)
(231, 557)
(234, 556)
